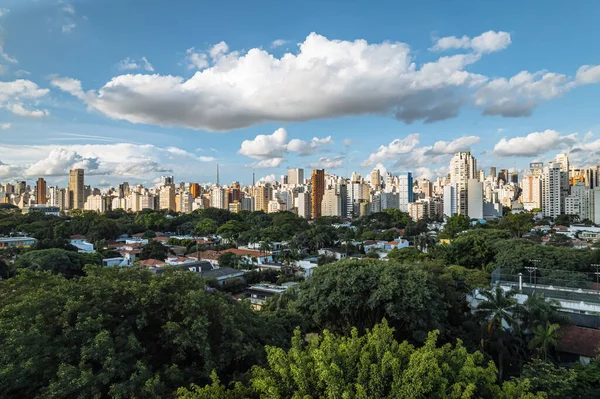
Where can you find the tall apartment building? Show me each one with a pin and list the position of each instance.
(375, 179)
(318, 190)
(218, 198)
(532, 192)
(551, 190)
(57, 197)
(295, 176)
(405, 190)
(167, 198)
(565, 186)
(183, 202)
(41, 198)
(262, 195)
(493, 172)
(463, 167)
(475, 199)
(76, 194)
(303, 205)
(331, 204)
(95, 203)
(580, 202)
(195, 190)
(450, 199)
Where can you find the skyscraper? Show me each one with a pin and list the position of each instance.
(75, 189)
(532, 192)
(263, 194)
(493, 172)
(462, 168)
(295, 176)
(41, 192)
(551, 181)
(318, 189)
(195, 190)
(405, 189)
(375, 179)
(475, 199)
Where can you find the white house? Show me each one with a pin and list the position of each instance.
(82, 244)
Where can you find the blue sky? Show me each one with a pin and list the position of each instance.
(134, 89)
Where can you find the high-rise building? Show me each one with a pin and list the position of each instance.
(295, 176)
(532, 192)
(218, 198)
(263, 194)
(551, 182)
(318, 190)
(57, 197)
(514, 178)
(450, 199)
(302, 204)
(375, 179)
(195, 190)
(475, 199)
(565, 186)
(331, 204)
(405, 190)
(41, 192)
(167, 198)
(493, 172)
(462, 168)
(76, 194)
(95, 203)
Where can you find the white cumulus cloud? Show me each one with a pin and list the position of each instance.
(19, 110)
(392, 150)
(5, 126)
(270, 149)
(534, 144)
(488, 42)
(451, 147)
(336, 162)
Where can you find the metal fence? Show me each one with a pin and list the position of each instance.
(557, 284)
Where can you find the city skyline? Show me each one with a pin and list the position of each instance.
(321, 93)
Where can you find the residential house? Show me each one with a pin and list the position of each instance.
(83, 246)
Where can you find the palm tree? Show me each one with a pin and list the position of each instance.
(545, 337)
(265, 246)
(539, 310)
(498, 310)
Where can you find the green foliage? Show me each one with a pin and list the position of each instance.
(469, 250)
(154, 250)
(454, 225)
(515, 255)
(404, 255)
(360, 293)
(206, 227)
(228, 259)
(556, 381)
(517, 223)
(57, 261)
(374, 365)
(122, 333)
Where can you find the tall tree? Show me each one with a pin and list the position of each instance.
(545, 338)
(498, 309)
(374, 365)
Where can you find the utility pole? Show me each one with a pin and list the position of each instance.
(532, 270)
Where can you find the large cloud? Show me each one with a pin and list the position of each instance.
(123, 159)
(408, 155)
(534, 144)
(59, 162)
(324, 78)
(10, 171)
(14, 95)
(271, 149)
(451, 147)
(392, 150)
(336, 162)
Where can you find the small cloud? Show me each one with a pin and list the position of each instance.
(5, 126)
(130, 63)
(347, 142)
(69, 9)
(588, 136)
(499, 130)
(195, 59)
(19, 110)
(278, 43)
(68, 27)
(3, 12)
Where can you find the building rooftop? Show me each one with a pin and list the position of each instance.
(579, 341)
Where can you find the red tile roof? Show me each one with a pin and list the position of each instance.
(77, 237)
(579, 341)
(165, 239)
